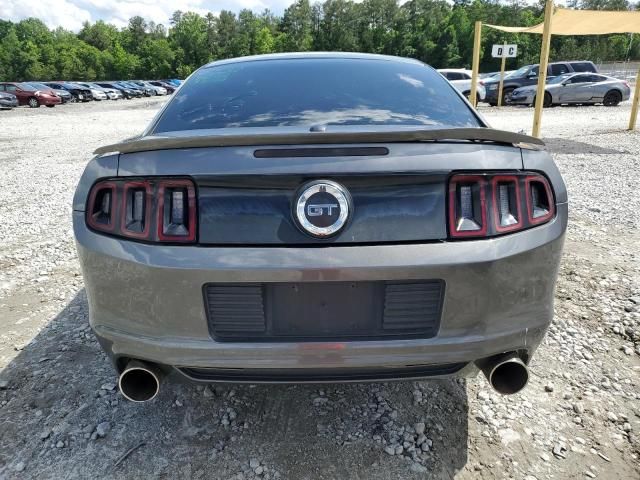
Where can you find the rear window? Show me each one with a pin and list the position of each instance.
(559, 69)
(583, 67)
(319, 91)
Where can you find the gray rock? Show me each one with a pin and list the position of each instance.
(417, 468)
(19, 467)
(4, 384)
(102, 429)
(390, 449)
(419, 428)
(254, 463)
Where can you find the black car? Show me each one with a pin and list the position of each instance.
(141, 90)
(528, 75)
(8, 101)
(170, 88)
(128, 93)
(79, 93)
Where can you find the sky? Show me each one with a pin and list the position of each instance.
(70, 14)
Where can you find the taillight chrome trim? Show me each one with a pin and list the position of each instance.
(496, 211)
(147, 209)
(453, 182)
(536, 178)
(191, 203)
(98, 187)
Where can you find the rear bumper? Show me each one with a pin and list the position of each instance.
(146, 301)
(5, 103)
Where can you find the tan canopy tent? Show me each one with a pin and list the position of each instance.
(583, 22)
(563, 21)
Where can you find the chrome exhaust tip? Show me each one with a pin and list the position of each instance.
(506, 373)
(140, 381)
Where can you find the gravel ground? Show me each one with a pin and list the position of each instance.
(62, 417)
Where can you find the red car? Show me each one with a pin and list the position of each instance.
(28, 95)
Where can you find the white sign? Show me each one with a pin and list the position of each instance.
(507, 51)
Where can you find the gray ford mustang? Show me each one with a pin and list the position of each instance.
(319, 218)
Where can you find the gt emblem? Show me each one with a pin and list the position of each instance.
(322, 208)
(318, 210)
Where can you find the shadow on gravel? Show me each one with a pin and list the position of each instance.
(61, 416)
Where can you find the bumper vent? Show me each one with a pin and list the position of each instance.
(236, 309)
(324, 311)
(412, 306)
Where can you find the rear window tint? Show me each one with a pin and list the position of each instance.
(583, 67)
(559, 69)
(306, 92)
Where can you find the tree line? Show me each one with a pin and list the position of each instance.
(434, 31)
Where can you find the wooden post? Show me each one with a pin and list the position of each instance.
(477, 39)
(634, 105)
(504, 61)
(542, 73)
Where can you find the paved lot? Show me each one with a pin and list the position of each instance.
(62, 417)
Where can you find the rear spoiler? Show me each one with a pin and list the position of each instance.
(143, 144)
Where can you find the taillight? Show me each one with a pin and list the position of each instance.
(154, 210)
(100, 211)
(540, 206)
(486, 205)
(467, 206)
(177, 211)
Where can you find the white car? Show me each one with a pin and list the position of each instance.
(100, 93)
(461, 79)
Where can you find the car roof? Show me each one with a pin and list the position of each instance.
(308, 55)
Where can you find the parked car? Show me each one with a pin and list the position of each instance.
(79, 93)
(461, 79)
(8, 100)
(134, 89)
(28, 95)
(127, 93)
(576, 88)
(167, 86)
(173, 81)
(495, 75)
(63, 94)
(157, 90)
(145, 91)
(412, 240)
(528, 75)
(98, 92)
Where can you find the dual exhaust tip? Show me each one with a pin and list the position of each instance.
(140, 381)
(507, 374)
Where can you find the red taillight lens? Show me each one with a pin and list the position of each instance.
(176, 211)
(493, 204)
(154, 210)
(101, 207)
(540, 206)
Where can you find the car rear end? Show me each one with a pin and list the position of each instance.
(8, 100)
(197, 260)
